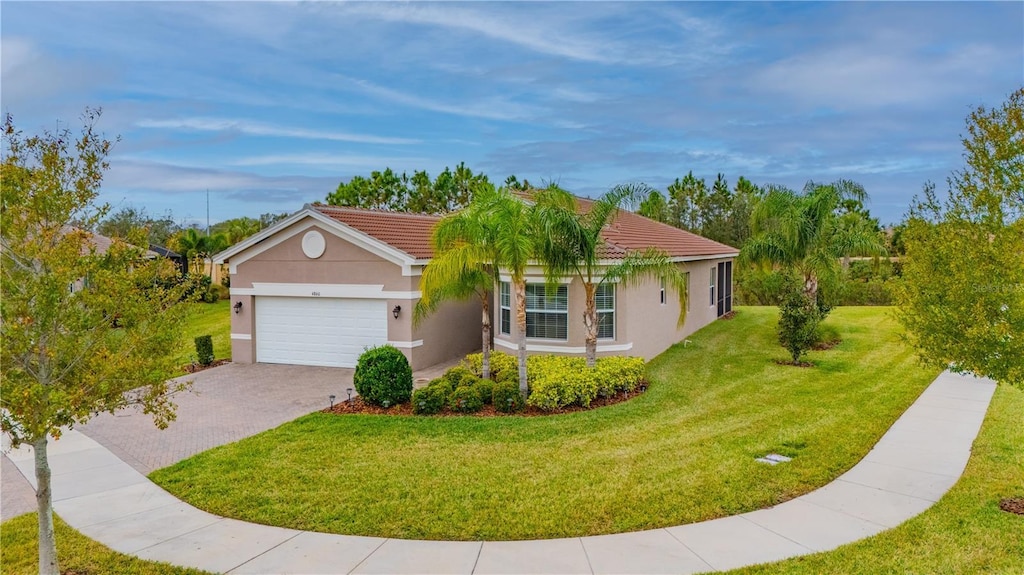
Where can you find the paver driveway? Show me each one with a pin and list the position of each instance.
(227, 403)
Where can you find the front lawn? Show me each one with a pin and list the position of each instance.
(965, 532)
(680, 453)
(76, 553)
(207, 319)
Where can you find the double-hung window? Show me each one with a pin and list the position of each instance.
(547, 312)
(605, 299)
(505, 308)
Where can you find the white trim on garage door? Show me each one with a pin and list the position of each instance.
(318, 331)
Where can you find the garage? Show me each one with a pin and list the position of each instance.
(318, 331)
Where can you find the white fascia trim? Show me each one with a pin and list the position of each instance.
(564, 349)
(406, 344)
(536, 279)
(245, 336)
(357, 291)
(711, 257)
(259, 237)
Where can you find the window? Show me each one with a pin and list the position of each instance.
(505, 305)
(662, 291)
(604, 297)
(547, 312)
(714, 272)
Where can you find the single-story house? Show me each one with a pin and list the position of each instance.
(322, 285)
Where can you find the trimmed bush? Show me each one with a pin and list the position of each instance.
(798, 324)
(383, 376)
(502, 365)
(456, 375)
(506, 397)
(204, 349)
(429, 400)
(617, 374)
(485, 389)
(558, 382)
(465, 400)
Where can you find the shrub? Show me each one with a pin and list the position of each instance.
(383, 376)
(557, 382)
(211, 295)
(429, 400)
(485, 389)
(456, 375)
(204, 349)
(506, 397)
(465, 400)
(798, 324)
(502, 364)
(616, 374)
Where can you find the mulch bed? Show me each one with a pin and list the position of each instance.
(729, 315)
(195, 367)
(789, 363)
(357, 405)
(1013, 505)
(826, 345)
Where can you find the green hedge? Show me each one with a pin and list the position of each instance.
(383, 376)
(204, 349)
(557, 382)
(503, 365)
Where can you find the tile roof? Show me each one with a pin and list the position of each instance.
(629, 232)
(411, 233)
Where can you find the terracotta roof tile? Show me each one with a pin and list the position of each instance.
(629, 231)
(409, 233)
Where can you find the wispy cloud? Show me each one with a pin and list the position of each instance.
(328, 160)
(493, 108)
(251, 128)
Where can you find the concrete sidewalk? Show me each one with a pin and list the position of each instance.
(915, 463)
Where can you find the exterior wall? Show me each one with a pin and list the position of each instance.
(453, 331)
(644, 327)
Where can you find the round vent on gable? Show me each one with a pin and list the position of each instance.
(313, 244)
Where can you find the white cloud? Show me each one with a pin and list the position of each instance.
(491, 108)
(327, 160)
(252, 128)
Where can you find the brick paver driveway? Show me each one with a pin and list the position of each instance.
(227, 403)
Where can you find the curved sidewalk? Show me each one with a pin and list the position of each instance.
(918, 459)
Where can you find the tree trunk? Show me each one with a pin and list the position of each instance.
(520, 289)
(485, 323)
(811, 288)
(44, 504)
(590, 323)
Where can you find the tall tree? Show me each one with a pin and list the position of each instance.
(464, 266)
(962, 294)
(655, 207)
(571, 245)
(714, 211)
(198, 247)
(124, 222)
(66, 354)
(685, 198)
(744, 196)
(389, 190)
(800, 232)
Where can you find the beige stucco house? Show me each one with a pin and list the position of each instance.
(324, 284)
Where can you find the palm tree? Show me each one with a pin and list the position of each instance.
(464, 267)
(197, 247)
(571, 244)
(804, 233)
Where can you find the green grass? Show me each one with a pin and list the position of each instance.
(76, 553)
(965, 532)
(207, 319)
(683, 452)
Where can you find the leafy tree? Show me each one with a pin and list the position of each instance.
(237, 229)
(269, 219)
(571, 244)
(198, 247)
(962, 294)
(799, 317)
(655, 207)
(685, 198)
(714, 209)
(68, 354)
(123, 223)
(389, 190)
(744, 196)
(801, 233)
(464, 266)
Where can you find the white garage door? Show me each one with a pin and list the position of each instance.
(318, 331)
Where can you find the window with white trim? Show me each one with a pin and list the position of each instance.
(604, 297)
(505, 309)
(662, 291)
(714, 271)
(547, 312)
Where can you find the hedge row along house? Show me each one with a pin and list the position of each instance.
(322, 285)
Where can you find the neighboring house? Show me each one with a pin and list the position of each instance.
(322, 285)
(101, 245)
(180, 261)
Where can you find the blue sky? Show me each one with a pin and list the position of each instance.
(270, 105)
